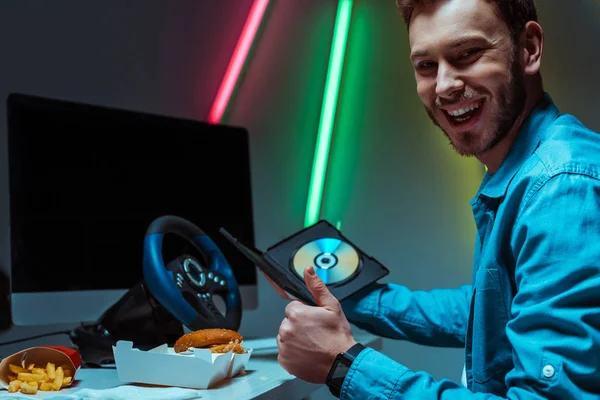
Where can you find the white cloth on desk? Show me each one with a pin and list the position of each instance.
(125, 392)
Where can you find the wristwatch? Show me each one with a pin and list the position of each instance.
(340, 368)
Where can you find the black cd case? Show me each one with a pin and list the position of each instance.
(276, 262)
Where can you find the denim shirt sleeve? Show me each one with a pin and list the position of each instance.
(375, 376)
(555, 323)
(435, 318)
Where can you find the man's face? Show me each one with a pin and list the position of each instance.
(467, 71)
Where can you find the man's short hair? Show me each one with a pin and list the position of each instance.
(515, 13)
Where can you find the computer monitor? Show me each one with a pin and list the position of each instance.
(86, 181)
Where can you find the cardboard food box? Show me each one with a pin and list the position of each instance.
(40, 356)
(195, 368)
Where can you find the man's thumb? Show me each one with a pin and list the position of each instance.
(318, 289)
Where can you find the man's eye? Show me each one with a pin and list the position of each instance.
(425, 65)
(469, 53)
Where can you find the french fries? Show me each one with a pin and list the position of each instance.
(31, 378)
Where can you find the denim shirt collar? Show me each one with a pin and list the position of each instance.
(529, 137)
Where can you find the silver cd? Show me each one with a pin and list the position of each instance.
(333, 259)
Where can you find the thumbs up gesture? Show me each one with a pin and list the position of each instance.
(310, 337)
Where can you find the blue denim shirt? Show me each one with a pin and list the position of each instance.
(530, 321)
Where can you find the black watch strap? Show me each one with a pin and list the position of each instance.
(340, 367)
(355, 350)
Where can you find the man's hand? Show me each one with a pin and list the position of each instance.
(309, 337)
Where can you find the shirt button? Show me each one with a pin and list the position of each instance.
(548, 371)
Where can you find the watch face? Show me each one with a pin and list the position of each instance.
(340, 367)
(340, 371)
(337, 374)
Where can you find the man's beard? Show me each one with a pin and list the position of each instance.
(511, 103)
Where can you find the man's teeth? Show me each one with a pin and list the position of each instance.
(458, 113)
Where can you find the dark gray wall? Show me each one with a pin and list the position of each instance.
(393, 182)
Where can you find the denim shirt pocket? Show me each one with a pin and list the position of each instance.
(492, 352)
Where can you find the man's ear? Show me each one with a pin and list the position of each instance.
(532, 39)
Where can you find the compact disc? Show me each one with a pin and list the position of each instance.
(333, 259)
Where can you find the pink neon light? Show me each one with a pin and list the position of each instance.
(237, 60)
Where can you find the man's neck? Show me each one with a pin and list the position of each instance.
(493, 158)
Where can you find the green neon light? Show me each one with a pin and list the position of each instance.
(328, 109)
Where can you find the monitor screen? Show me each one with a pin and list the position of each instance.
(86, 181)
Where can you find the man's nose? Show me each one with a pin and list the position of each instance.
(448, 82)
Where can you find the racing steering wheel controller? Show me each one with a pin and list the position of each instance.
(169, 297)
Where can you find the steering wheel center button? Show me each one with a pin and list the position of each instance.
(194, 272)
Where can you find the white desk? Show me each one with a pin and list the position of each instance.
(264, 379)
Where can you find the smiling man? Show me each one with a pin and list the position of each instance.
(530, 320)
(475, 80)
